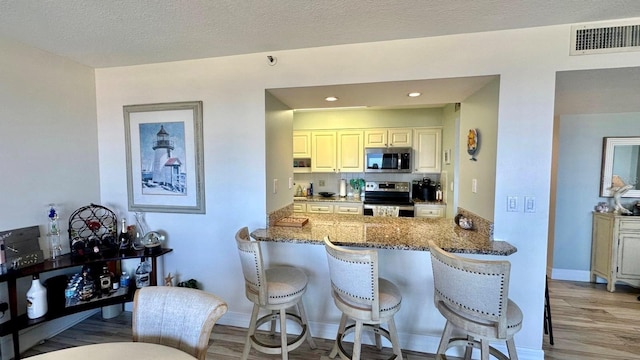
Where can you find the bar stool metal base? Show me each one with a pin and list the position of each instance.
(277, 349)
(351, 328)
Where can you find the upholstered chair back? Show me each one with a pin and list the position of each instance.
(354, 276)
(252, 267)
(178, 317)
(474, 289)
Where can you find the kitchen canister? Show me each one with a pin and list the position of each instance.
(343, 187)
(36, 299)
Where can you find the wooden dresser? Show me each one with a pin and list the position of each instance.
(615, 249)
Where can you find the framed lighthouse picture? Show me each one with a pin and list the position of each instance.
(164, 153)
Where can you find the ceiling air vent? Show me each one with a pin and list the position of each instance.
(605, 38)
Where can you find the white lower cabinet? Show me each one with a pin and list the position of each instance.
(299, 207)
(429, 211)
(327, 207)
(319, 208)
(348, 208)
(615, 249)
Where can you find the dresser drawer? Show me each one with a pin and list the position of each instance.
(632, 224)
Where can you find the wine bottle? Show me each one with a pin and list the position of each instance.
(123, 238)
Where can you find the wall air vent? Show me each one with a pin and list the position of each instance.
(605, 38)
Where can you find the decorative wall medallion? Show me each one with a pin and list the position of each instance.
(473, 143)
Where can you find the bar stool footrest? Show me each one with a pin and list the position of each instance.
(277, 349)
(476, 344)
(351, 328)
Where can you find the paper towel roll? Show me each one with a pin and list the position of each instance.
(343, 187)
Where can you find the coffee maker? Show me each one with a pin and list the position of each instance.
(424, 189)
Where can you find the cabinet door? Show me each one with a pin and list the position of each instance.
(427, 150)
(323, 151)
(628, 255)
(301, 144)
(602, 246)
(399, 137)
(375, 138)
(430, 211)
(350, 208)
(350, 151)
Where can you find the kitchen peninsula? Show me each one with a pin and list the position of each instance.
(386, 233)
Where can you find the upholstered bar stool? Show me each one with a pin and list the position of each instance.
(276, 290)
(362, 297)
(473, 296)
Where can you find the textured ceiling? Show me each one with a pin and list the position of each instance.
(104, 33)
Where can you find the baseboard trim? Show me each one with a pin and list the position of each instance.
(414, 342)
(574, 275)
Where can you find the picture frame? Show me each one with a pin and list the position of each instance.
(164, 156)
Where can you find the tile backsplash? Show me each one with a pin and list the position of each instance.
(332, 180)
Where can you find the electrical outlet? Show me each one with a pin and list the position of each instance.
(275, 186)
(290, 183)
(474, 185)
(320, 182)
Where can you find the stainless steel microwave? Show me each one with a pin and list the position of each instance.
(388, 160)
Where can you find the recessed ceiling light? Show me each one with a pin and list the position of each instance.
(414, 94)
(331, 98)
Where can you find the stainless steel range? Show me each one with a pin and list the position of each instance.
(388, 198)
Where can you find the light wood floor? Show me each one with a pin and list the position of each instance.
(589, 323)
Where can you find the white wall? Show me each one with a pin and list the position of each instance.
(450, 142)
(369, 118)
(232, 89)
(479, 111)
(578, 186)
(278, 123)
(48, 148)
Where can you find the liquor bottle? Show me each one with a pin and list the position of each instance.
(105, 280)
(36, 299)
(87, 285)
(124, 238)
(143, 275)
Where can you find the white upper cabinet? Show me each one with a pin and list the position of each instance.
(301, 144)
(323, 151)
(400, 137)
(337, 151)
(350, 151)
(427, 148)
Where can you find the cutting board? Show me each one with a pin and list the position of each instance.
(292, 221)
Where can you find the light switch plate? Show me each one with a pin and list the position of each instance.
(529, 204)
(512, 203)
